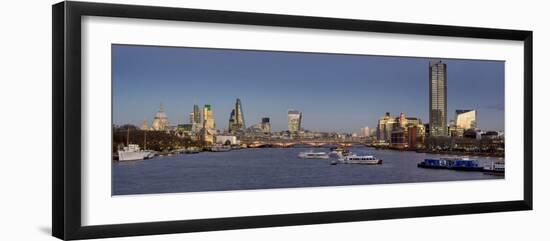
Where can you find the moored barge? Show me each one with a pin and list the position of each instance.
(463, 164)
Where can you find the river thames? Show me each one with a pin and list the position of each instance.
(263, 168)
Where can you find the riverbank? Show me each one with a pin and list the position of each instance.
(442, 152)
(461, 153)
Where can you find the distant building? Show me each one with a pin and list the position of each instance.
(208, 130)
(236, 119)
(208, 118)
(438, 98)
(265, 125)
(413, 121)
(466, 119)
(365, 131)
(490, 135)
(402, 120)
(227, 140)
(373, 132)
(207, 135)
(191, 117)
(185, 130)
(413, 135)
(260, 129)
(294, 121)
(472, 134)
(401, 132)
(427, 129)
(144, 126)
(386, 125)
(398, 138)
(196, 115)
(160, 122)
(195, 119)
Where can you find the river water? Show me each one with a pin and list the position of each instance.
(274, 168)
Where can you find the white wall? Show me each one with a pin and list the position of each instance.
(25, 104)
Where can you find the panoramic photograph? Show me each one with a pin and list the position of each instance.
(188, 119)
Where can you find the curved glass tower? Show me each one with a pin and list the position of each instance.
(236, 119)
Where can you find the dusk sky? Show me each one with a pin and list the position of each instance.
(335, 92)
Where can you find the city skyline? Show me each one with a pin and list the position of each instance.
(271, 83)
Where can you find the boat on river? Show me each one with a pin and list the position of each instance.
(496, 168)
(340, 152)
(313, 155)
(355, 159)
(132, 152)
(462, 164)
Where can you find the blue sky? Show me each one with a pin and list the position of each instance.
(335, 92)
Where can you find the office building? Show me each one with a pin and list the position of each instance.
(195, 116)
(365, 131)
(294, 121)
(208, 118)
(236, 119)
(265, 125)
(386, 125)
(438, 98)
(466, 119)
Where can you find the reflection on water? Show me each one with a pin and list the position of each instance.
(274, 168)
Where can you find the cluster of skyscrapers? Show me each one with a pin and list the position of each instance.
(399, 131)
(202, 125)
(402, 132)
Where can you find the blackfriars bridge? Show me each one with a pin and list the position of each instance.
(300, 143)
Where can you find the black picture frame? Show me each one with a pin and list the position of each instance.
(66, 159)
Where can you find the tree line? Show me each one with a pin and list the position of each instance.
(161, 141)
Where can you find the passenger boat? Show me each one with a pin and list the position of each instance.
(463, 164)
(132, 152)
(313, 155)
(340, 152)
(355, 159)
(496, 168)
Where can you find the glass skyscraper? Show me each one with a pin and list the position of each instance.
(236, 119)
(294, 121)
(466, 119)
(196, 115)
(438, 98)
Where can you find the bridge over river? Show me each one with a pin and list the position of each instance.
(299, 143)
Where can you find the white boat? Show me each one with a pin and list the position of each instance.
(355, 159)
(220, 148)
(313, 155)
(132, 152)
(340, 152)
(496, 168)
